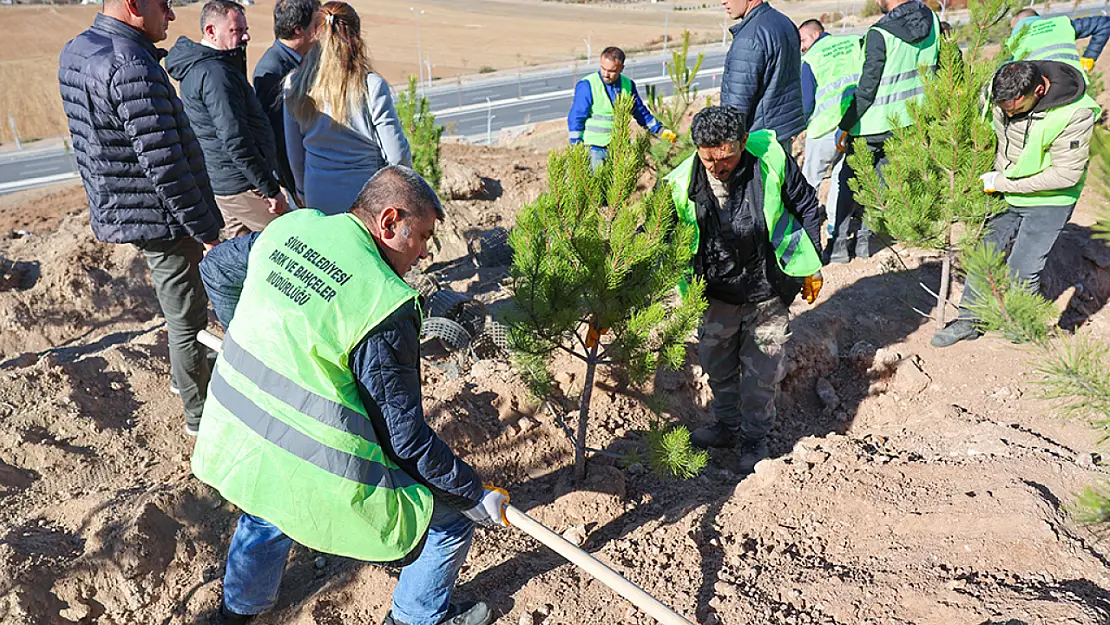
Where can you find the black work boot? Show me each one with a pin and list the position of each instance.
(716, 435)
(227, 617)
(751, 452)
(958, 330)
(837, 251)
(473, 613)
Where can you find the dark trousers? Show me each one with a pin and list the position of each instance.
(741, 349)
(849, 213)
(175, 271)
(1032, 230)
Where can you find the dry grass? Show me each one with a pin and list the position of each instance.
(497, 34)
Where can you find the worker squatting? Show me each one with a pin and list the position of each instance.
(304, 273)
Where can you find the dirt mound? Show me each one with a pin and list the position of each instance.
(933, 490)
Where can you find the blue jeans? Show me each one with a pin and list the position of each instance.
(256, 561)
(597, 157)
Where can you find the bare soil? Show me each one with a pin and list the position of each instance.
(935, 491)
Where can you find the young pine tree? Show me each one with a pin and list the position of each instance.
(595, 271)
(673, 111)
(422, 132)
(931, 182)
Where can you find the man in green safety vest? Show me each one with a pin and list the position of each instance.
(830, 72)
(757, 219)
(1036, 38)
(896, 49)
(313, 425)
(590, 119)
(1044, 120)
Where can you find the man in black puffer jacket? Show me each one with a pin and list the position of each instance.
(143, 171)
(763, 70)
(233, 128)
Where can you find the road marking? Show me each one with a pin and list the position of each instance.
(19, 185)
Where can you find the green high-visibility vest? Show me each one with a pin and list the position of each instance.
(836, 62)
(1041, 39)
(796, 254)
(285, 436)
(599, 126)
(901, 82)
(1036, 157)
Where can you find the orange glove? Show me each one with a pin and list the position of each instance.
(668, 135)
(811, 288)
(842, 142)
(1088, 64)
(593, 335)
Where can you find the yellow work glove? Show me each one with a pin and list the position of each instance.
(490, 509)
(842, 142)
(990, 179)
(811, 288)
(668, 135)
(1088, 64)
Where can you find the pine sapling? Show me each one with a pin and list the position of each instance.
(671, 453)
(595, 271)
(422, 132)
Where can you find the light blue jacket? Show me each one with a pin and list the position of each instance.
(332, 161)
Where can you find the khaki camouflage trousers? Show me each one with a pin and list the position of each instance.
(741, 349)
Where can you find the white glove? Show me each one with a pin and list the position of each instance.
(989, 179)
(490, 509)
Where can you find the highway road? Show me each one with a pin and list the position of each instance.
(461, 105)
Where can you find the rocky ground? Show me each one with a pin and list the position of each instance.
(909, 485)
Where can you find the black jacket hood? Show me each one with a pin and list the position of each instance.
(186, 54)
(1065, 85)
(911, 22)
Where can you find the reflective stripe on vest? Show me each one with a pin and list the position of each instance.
(836, 62)
(599, 125)
(1036, 156)
(1045, 39)
(901, 82)
(796, 254)
(285, 434)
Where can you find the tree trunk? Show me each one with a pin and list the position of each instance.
(945, 284)
(584, 416)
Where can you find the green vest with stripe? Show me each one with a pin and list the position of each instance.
(836, 62)
(796, 254)
(599, 126)
(901, 82)
(285, 436)
(1036, 156)
(1041, 39)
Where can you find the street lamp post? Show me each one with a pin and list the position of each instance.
(724, 34)
(666, 28)
(419, 49)
(428, 65)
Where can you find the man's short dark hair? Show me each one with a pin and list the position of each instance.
(291, 14)
(400, 187)
(1014, 80)
(1024, 13)
(716, 125)
(613, 53)
(217, 8)
(815, 25)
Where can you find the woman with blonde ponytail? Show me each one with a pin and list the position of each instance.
(340, 123)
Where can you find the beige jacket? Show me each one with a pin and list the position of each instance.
(1070, 152)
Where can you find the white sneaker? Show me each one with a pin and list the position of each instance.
(192, 430)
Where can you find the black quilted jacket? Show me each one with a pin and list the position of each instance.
(763, 72)
(139, 159)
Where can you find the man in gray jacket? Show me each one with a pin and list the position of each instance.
(1044, 121)
(763, 70)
